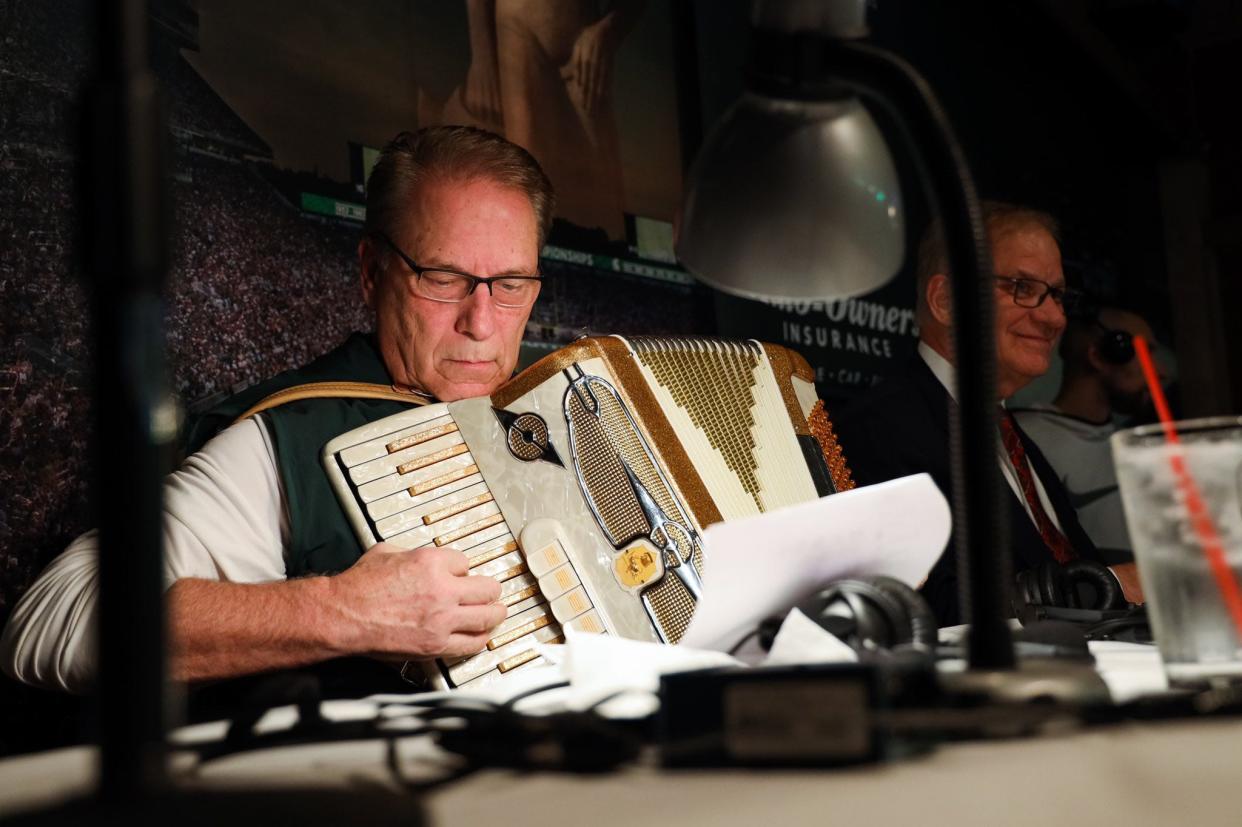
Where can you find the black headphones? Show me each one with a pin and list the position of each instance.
(873, 614)
(1114, 346)
(1079, 584)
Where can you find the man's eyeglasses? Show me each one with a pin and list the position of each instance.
(1032, 292)
(450, 286)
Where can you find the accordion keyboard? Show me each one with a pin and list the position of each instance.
(583, 485)
(414, 482)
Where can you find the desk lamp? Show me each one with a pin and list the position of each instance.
(794, 196)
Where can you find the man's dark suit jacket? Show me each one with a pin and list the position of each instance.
(902, 427)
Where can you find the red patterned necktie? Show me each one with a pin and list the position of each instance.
(1054, 539)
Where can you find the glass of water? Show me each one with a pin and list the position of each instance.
(1198, 639)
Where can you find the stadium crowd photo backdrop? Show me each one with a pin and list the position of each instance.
(275, 111)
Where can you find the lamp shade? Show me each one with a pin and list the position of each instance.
(793, 200)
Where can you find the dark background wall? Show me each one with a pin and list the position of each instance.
(1043, 123)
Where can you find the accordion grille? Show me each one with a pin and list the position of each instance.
(601, 444)
(715, 383)
(672, 604)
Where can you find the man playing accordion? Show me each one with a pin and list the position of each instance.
(262, 571)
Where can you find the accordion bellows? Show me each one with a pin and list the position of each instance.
(585, 482)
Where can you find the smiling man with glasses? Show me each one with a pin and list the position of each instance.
(263, 571)
(902, 426)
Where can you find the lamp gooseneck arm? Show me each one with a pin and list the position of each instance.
(979, 516)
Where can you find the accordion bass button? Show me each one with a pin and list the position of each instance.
(589, 623)
(543, 544)
(571, 604)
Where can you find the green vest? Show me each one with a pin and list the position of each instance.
(320, 538)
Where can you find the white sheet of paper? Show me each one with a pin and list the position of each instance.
(801, 640)
(607, 663)
(760, 566)
(1131, 670)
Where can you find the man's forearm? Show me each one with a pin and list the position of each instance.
(392, 603)
(222, 630)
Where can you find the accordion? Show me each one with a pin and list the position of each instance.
(584, 483)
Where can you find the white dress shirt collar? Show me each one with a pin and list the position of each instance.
(946, 374)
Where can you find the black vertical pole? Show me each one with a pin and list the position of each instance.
(979, 511)
(124, 210)
(124, 202)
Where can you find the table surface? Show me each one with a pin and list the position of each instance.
(1167, 773)
(1183, 772)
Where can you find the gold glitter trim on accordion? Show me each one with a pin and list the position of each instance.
(544, 369)
(787, 364)
(821, 429)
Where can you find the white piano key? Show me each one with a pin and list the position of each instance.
(489, 660)
(536, 617)
(378, 446)
(394, 482)
(518, 583)
(466, 544)
(456, 505)
(487, 552)
(412, 520)
(502, 564)
(530, 656)
(389, 463)
(425, 503)
(528, 603)
(466, 525)
(433, 430)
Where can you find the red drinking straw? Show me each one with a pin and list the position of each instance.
(1200, 519)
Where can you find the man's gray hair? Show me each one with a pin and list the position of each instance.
(452, 153)
(999, 219)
